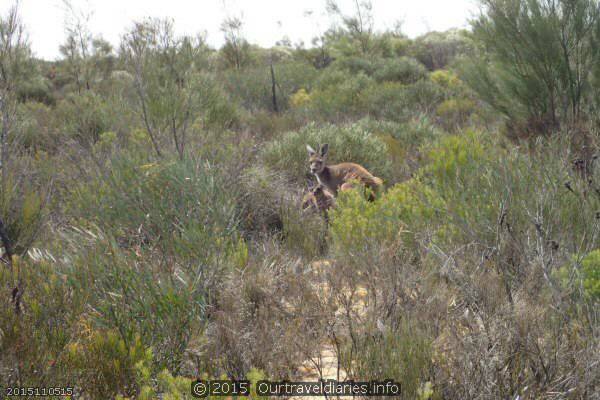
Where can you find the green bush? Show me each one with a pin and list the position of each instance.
(455, 113)
(33, 342)
(590, 271)
(338, 93)
(403, 141)
(403, 355)
(141, 299)
(304, 233)
(85, 117)
(507, 185)
(439, 49)
(587, 275)
(404, 70)
(361, 227)
(38, 129)
(106, 365)
(347, 143)
(171, 206)
(24, 203)
(96, 313)
(397, 102)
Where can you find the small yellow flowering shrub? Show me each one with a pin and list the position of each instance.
(588, 275)
(300, 98)
(445, 79)
(361, 225)
(451, 156)
(107, 365)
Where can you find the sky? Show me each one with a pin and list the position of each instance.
(265, 21)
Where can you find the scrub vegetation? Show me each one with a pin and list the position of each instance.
(153, 232)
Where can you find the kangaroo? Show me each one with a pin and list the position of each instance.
(318, 198)
(340, 176)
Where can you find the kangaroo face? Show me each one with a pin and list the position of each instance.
(318, 198)
(316, 159)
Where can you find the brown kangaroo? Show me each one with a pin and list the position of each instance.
(340, 176)
(320, 199)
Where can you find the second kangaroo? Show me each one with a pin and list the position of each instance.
(339, 176)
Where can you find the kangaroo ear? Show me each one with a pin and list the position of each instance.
(324, 149)
(311, 151)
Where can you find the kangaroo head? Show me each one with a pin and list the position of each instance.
(316, 159)
(318, 198)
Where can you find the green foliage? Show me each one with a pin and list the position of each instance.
(403, 141)
(138, 271)
(587, 275)
(24, 207)
(106, 363)
(170, 206)
(263, 200)
(402, 354)
(171, 89)
(397, 102)
(35, 340)
(304, 233)
(403, 69)
(455, 156)
(347, 143)
(37, 130)
(590, 271)
(395, 69)
(165, 386)
(541, 55)
(140, 299)
(363, 227)
(455, 112)
(255, 375)
(236, 50)
(439, 49)
(338, 93)
(38, 89)
(84, 117)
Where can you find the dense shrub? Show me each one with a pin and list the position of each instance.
(397, 102)
(583, 276)
(38, 129)
(85, 117)
(355, 65)
(141, 300)
(264, 196)
(107, 363)
(590, 272)
(473, 274)
(338, 94)
(455, 113)
(24, 203)
(170, 205)
(403, 69)
(402, 354)
(524, 42)
(439, 49)
(363, 227)
(404, 142)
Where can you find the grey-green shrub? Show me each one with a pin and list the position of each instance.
(186, 209)
(403, 69)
